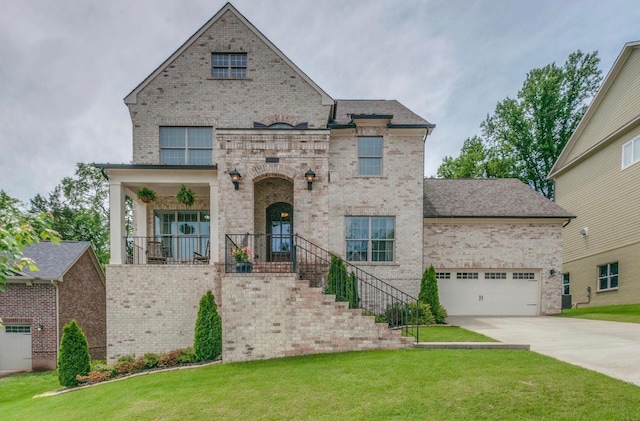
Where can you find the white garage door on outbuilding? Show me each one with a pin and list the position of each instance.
(490, 292)
(15, 347)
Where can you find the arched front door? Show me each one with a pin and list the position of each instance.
(279, 232)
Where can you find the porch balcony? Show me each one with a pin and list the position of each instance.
(168, 250)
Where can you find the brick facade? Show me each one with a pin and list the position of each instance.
(499, 245)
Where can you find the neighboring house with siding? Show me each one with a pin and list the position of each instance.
(597, 178)
(35, 306)
(268, 154)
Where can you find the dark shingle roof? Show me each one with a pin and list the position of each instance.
(54, 259)
(486, 198)
(401, 114)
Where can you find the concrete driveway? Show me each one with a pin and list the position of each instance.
(610, 348)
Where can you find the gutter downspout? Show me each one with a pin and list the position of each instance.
(55, 284)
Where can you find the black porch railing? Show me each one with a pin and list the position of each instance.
(167, 249)
(266, 253)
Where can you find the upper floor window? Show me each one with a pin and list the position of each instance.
(370, 239)
(630, 152)
(608, 276)
(186, 145)
(229, 65)
(370, 155)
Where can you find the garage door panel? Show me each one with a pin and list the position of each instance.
(490, 297)
(15, 348)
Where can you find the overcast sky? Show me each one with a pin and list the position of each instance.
(66, 65)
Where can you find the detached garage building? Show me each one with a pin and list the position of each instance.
(496, 245)
(35, 306)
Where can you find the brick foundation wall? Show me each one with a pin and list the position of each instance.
(275, 315)
(153, 308)
(499, 245)
(35, 303)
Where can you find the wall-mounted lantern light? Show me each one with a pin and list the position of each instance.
(310, 175)
(552, 272)
(40, 327)
(235, 178)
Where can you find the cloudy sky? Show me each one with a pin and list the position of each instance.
(65, 65)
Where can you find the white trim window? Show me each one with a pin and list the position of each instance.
(229, 65)
(370, 238)
(630, 152)
(186, 145)
(608, 276)
(370, 155)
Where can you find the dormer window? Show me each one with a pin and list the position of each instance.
(229, 65)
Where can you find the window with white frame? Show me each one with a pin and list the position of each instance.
(182, 232)
(370, 155)
(608, 276)
(370, 238)
(630, 152)
(229, 65)
(565, 284)
(186, 145)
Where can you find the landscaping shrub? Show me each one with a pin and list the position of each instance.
(207, 344)
(94, 377)
(337, 279)
(429, 294)
(420, 313)
(396, 314)
(352, 291)
(152, 360)
(73, 358)
(169, 359)
(187, 356)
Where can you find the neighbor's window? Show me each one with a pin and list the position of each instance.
(608, 276)
(229, 65)
(370, 156)
(186, 145)
(565, 284)
(630, 152)
(370, 238)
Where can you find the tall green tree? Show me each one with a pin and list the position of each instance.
(19, 229)
(525, 135)
(80, 206)
(73, 358)
(429, 294)
(207, 344)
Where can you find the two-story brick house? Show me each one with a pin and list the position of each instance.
(267, 154)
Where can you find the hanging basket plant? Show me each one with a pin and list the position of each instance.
(146, 195)
(186, 196)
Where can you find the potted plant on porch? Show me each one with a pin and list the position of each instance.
(242, 254)
(146, 195)
(186, 196)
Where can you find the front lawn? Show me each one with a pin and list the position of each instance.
(629, 313)
(374, 385)
(447, 334)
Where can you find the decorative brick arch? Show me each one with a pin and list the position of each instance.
(262, 171)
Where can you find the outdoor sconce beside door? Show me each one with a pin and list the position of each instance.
(235, 178)
(310, 175)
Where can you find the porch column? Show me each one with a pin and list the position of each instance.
(214, 222)
(116, 222)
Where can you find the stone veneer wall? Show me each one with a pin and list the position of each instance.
(276, 315)
(153, 308)
(499, 245)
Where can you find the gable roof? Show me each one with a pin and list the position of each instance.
(54, 260)
(400, 115)
(561, 163)
(486, 198)
(131, 98)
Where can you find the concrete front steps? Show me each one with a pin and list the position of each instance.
(270, 315)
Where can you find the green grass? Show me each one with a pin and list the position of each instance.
(375, 385)
(447, 334)
(629, 313)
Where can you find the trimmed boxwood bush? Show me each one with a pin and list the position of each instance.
(207, 344)
(74, 358)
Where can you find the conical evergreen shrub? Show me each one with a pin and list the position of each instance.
(74, 356)
(208, 335)
(429, 294)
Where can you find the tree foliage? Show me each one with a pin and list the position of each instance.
(525, 135)
(73, 358)
(19, 229)
(341, 283)
(208, 335)
(80, 206)
(429, 294)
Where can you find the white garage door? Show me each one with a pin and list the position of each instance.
(490, 292)
(15, 347)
